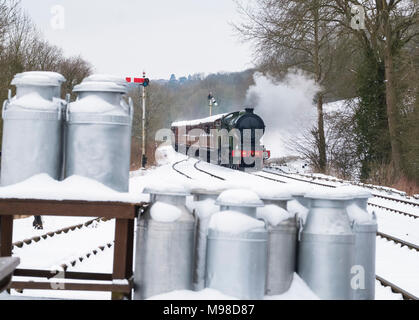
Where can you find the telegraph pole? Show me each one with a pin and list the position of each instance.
(143, 156)
(144, 82)
(211, 102)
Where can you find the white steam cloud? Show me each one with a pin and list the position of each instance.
(287, 108)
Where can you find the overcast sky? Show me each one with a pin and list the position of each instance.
(159, 36)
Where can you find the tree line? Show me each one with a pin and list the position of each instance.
(366, 50)
(23, 48)
(172, 100)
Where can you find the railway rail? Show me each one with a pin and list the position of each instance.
(178, 171)
(206, 172)
(410, 245)
(370, 204)
(50, 234)
(400, 193)
(406, 295)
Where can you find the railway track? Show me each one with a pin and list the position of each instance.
(178, 171)
(370, 204)
(406, 295)
(410, 245)
(394, 288)
(306, 181)
(400, 193)
(19, 244)
(66, 261)
(206, 172)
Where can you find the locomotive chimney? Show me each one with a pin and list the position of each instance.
(249, 110)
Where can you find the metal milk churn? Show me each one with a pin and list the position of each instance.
(32, 128)
(282, 242)
(204, 208)
(99, 134)
(53, 75)
(326, 248)
(237, 255)
(165, 245)
(106, 78)
(241, 200)
(365, 228)
(299, 205)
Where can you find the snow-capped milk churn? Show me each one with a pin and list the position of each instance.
(240, 200)
(364, 226)
(99, 133)
(237, 247)
(299, 205)
(282, 241)
(32, 127)
(203, 209)
(165, 244)
(237, 255)
(326, 248)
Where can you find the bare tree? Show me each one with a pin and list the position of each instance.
(294, 34)
(159, 105)
(389, 26)
(74, 69)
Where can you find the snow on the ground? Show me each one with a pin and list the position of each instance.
(296, 166)
(395, 205)
(102, 262)
(206, 294)
(331, 180)
(167, 155)
(397, 264)
(298, 291)
(23, 228)
(400, 226)
(64, 247)
(385, 293)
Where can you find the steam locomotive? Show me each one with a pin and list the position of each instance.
(231, 139)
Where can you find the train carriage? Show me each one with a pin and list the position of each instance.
(230, 139)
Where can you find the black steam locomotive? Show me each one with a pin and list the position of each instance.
(231, 139)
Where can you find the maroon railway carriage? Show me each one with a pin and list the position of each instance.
(230, 139)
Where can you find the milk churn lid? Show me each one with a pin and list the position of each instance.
(206, 191)
(166, 188)
(54, 75)
(239, 198)
(329, 194)
(105, 78)
(38, 78)
(233, 222)
(277, 192)
(100, 87)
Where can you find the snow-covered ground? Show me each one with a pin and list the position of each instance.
(398, 265)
